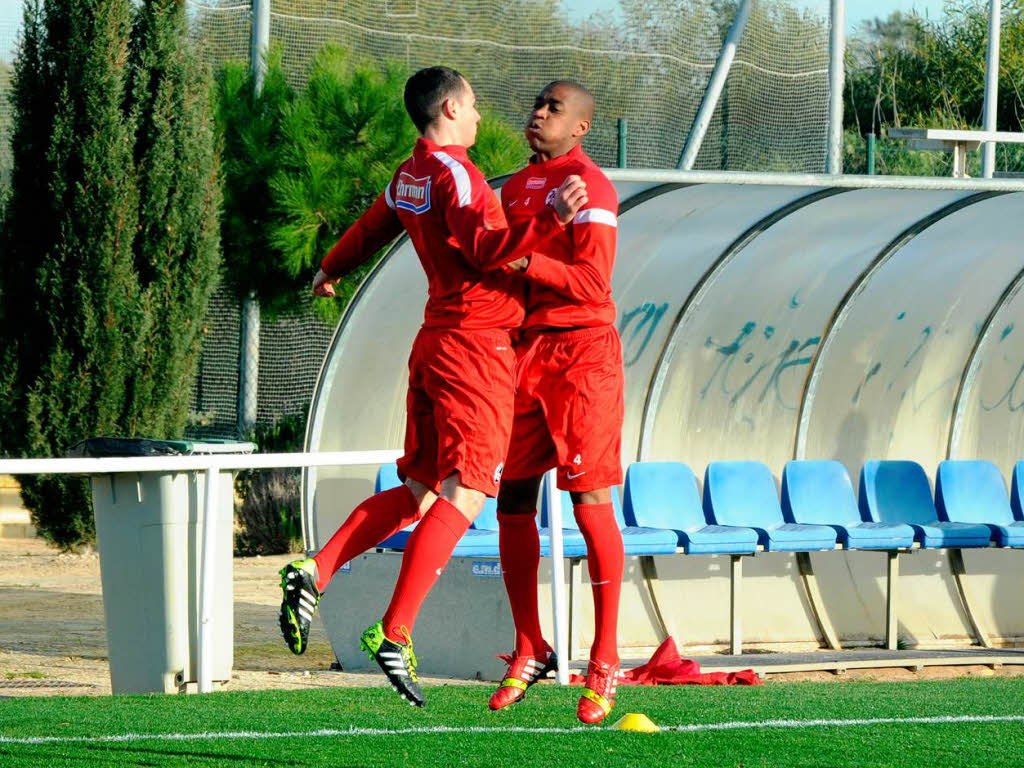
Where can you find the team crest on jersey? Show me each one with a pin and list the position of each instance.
(412, 194)
(536, 182)
(550, 198)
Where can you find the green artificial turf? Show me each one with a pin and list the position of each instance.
(914, 745)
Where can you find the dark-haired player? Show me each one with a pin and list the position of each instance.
(461, 387)
(569, 399)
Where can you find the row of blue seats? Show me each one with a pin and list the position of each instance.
(662, 510)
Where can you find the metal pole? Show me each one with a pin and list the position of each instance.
(622, 142)
(714, 90)
(249, 364)
(871, 154)
(558, 598)
(249, 354)
(988, 149)
(836, 61)
(260, 42)
(206, 585)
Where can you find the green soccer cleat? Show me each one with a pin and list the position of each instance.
(397, 660)
(298, 603)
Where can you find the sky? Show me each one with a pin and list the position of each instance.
(857, 11)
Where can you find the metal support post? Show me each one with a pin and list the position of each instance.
(206, 577)
(249, 355)
(891, 621)
(836, 62)
(260, 44)
(714, 90)
(249, 364)
(988, 149)
(735, 615)
(622, 143)
(871, 154)
(558, 597)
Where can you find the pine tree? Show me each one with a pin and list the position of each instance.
(300, 167)
(108, 250)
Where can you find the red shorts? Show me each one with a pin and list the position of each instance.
(569, 408)
(459, 407)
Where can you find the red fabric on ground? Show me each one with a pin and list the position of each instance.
(667, 667)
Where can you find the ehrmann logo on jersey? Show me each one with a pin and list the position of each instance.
(412, 194)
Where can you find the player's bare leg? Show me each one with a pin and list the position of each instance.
(519, 545)
(605, 559)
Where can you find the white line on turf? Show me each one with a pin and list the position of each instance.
(441, 729)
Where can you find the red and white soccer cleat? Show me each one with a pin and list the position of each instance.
(523, 671)
(599, 696)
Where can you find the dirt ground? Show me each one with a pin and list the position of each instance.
(53, 642)
(52, 638)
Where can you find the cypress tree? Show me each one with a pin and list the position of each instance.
(109, 247)
(177, 249)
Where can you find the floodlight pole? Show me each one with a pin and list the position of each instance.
(836, 61)
(714, 90)
(988, 149)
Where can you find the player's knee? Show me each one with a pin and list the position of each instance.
(518, 497)
(467, 500)
(424, 495)
(600, 496)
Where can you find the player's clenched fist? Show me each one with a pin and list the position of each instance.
(569, 198)
(323, 284)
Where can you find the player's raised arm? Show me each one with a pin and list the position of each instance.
(371, 232)
(489, 243)
(588, 277)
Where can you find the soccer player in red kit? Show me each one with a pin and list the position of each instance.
(461, 369)
(569, 396)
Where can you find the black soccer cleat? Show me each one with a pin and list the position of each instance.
(397, 660)
(299, 599)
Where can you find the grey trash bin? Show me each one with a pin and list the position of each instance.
(149, 533)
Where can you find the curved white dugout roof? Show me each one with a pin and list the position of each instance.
(770, 322)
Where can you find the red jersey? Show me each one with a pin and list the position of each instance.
(570, 276)
(459, 232)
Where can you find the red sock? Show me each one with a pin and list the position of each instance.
(427, 553)
(519, 545)
(605, 561)
(369, 524)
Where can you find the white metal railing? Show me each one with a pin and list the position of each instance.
(213, 465)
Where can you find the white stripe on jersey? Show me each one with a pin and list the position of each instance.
(596, 216)
(388, 198)
(462, 183)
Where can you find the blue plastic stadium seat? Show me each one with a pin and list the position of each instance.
(635, 540)
(387, 478)
(898, 492)
(1016, 489)
(743, 494)
(820, 493)
(664, 494)
(974, 492)
(481, 540)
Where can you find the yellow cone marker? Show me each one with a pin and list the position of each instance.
(633, 721)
